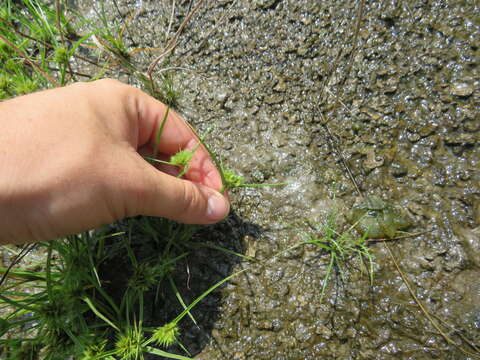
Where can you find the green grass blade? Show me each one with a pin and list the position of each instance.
(159, 132)
(154, 351)
(157, 160)
(99, 314)
(327, 275)
(180, 300)
(15, 304)
(198, 299)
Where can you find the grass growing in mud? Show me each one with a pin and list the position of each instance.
(340, 245)
(95, 295)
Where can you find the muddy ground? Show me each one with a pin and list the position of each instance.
(402, 106)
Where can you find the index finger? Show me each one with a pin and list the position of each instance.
(176, 135)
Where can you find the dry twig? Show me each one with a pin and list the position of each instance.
(437, 327)
(172, 44)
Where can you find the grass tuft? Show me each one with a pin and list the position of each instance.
(340, 246)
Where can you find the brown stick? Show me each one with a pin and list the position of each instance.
(172, 44)
(400, 237)
(344, 161)
(437, 327)
(62, 37)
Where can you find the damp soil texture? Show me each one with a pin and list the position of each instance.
(297, 91)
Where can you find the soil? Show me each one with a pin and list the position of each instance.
(295, 92)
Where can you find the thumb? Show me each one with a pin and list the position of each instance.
(181, 200)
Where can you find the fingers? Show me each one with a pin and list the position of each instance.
(176, 136)
(176, 199)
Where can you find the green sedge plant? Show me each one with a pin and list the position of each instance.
(82, 306)
(339, 246)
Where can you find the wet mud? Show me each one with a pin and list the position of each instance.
(295, 92)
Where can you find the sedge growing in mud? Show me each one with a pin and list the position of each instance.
(91, 296)
(340, 246)
(82, 305)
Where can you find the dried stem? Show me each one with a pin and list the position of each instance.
(25, 250)
(172, 44)
(62, 37)
(400, 237)
(339, 153)
(447, 338)
(171, 20)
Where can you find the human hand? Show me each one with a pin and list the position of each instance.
(70, 161)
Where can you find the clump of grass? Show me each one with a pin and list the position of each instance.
(38, 42)
(145, 275)
(31, 39)
(340, 246)
(23, 86)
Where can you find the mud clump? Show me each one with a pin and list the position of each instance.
(377, 219)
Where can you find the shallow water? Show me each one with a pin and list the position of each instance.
(402, 108)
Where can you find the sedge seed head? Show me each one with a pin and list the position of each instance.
(232, 180)
(181, 158)
(61, 55)
(143, 277)
(129, 345)
(166, 335)
(94, 351)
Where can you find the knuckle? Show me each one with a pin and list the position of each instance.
(108, 82)
(113, 86)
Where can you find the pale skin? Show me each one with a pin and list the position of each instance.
(71, 160)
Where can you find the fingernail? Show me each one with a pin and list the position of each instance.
(217, 207)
